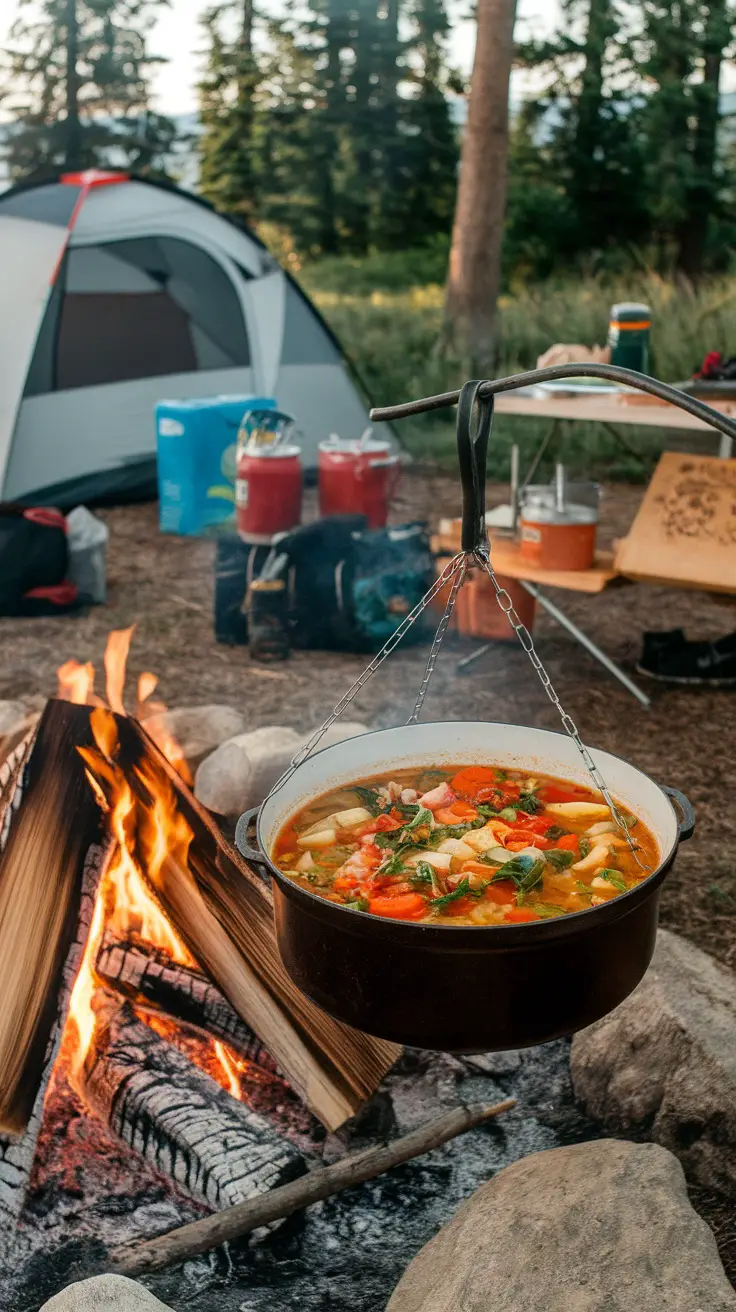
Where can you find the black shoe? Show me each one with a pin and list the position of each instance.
(656, 643)
(697, 663)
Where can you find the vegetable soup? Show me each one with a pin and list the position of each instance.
(475, 845)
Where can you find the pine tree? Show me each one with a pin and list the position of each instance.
(681, 48)
(586, 128)
(229, 173)
(77, 87)
(417, 164)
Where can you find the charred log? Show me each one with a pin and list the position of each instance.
(151, 978)
(180, 1120)
(17, 1150)
(51, 822)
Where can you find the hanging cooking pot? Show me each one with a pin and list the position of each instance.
(466, 988)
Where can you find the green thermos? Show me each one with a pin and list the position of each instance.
(628, 335)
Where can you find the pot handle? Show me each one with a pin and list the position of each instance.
(686, 810)
(241, 837)
(472, 450)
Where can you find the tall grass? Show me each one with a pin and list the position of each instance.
(390, 330)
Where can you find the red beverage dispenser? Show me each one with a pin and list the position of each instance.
(268, 479)
(357, 477)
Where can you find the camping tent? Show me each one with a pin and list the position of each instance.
(116, 293)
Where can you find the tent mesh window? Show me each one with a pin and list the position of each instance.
(134, 309)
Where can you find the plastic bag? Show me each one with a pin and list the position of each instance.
(87, 538)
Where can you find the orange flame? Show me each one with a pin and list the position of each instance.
(148, 829)
(116, 659)
(76, 682)
(125, 906)
(228, 1066)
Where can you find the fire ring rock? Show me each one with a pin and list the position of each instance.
(240, 773)
(664, 1062)
(105, 1294)
(601, 1225)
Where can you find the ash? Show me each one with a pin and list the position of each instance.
(89, 1191)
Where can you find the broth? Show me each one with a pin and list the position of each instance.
(464, 845)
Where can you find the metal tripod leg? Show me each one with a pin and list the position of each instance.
(586, 642)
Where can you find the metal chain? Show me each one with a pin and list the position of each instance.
(457, 565)
(482, 558)
(438, 637)
(456, 570)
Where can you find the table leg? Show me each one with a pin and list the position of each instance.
(725, 449)
(586, 642)
(628, 446)
(474, 656)
(552, 432)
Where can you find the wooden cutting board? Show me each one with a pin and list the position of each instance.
(684, 533)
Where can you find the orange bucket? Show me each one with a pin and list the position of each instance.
(477, 613)
(557, 533)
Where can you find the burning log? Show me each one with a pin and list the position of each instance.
(219, 909)
(17, 1151)
(200, 1236)
(52, 823)
(152, 979)
(223, 913)
(180, 1119)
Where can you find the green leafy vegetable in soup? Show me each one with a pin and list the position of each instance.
(476, 845)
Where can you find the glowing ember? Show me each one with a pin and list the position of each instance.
(228, 1065)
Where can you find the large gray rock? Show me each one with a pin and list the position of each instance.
(599, 1227)
(197, 729)
(105, 1294)
(665, 1061)
(338, 733)
(240, 773)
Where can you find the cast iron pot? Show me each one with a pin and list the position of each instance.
(466, 988)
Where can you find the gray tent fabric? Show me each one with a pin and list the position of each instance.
(153, 296)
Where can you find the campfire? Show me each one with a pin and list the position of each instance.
(132, 948)
(153, 986)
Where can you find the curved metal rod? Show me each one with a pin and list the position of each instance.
(611, 372)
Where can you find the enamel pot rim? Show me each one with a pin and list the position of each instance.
(450, 937)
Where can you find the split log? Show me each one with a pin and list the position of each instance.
(151, 978)
(11, 789)
(219, 907)
(17, 1151)
(223, 912)
(199, 1236)
(180, 1119)
(52, 823)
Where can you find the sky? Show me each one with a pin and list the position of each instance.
(178, 36)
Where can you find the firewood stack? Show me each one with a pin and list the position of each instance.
(225, 985)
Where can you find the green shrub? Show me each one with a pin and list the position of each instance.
(390, 331)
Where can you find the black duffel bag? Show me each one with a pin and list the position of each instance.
(34, 560)
(348, 587)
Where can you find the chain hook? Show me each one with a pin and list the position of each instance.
(474, 423)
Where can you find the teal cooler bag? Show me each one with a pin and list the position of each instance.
(196, 450)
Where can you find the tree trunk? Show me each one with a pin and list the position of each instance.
(73, 129)
(477, 236)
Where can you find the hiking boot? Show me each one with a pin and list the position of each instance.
(712, 664)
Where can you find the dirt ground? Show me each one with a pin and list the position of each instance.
(165, 586)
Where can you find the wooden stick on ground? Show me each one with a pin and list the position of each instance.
(199, 1236)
